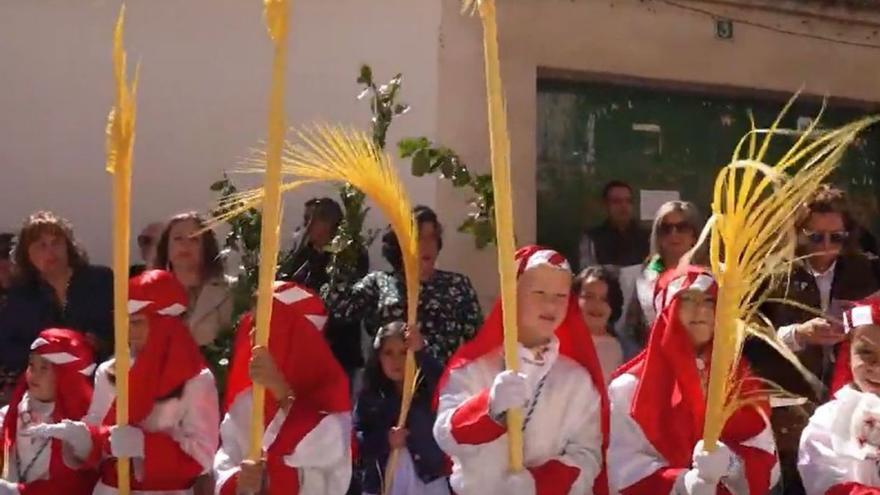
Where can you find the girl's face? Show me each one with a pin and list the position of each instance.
(696, 312)
(429, 248)
(138, 331)
(593, 301)
(865, 358)
(41, 378)
(392, 358)
(542, 299)
(184, 248)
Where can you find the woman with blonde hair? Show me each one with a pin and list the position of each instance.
(674, 232)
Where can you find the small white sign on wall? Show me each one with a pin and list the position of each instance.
(651, 200)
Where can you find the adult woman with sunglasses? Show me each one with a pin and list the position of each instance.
(831, 272)
(676, 227)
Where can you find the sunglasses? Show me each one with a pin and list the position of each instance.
(680, 227)
(144, 240)
(838, 237)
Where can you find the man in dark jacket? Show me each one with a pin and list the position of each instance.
(307, 264)
(832, 273)
(620, 240)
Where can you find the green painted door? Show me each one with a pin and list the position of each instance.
(655, 139)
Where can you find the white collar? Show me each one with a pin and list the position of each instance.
(539, 356)
(826, 273)
(35, 407)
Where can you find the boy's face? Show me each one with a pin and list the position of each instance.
(542, 300)
(41, 378)
(138, 330)
(865, 358)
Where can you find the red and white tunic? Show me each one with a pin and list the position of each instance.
(180, 436)
(29, 460)
(322, 459)
(308, 447)
(658, 408)
(566, 420)
(563, 437)
(638, 468)
(172, 398)
(840, 447)
(44, 465)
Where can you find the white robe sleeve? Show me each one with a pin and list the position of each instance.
(631, 457)
(584, 449)
(233, 440)
(198, 433)
(463, 391)
(102, 397)
(820, 466)
(322, 458)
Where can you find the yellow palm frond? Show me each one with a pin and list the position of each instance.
(499, 147)
(276, 14)
(470, 6)
(335, 154)
(752, 240)
(120, 147)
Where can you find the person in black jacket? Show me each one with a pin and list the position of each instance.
(306, 264)
(421, 465)
(53, 286)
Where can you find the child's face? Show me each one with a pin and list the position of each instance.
(593, 301)
(542, 300)
(392, 358)
(41, 378)
(696, 312)
(865, 358)
(138, 330)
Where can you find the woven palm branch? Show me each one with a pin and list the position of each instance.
(752, 244)
(119, 148)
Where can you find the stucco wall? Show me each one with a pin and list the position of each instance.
(202, 96)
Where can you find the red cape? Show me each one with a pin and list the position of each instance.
(319, 384)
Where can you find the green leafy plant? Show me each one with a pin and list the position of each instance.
(428, 158)
(243, 238)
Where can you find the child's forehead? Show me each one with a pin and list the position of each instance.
(866, 335)
(36, 358)
(545, 275)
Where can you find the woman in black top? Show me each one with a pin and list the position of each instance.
(53, 286)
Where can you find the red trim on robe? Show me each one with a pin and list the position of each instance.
(757, 465)
(660, 481)
(165, 466)
(74, 483)
(852, 488)
(230, 486)
(554, 478)
(100, 445)
(471, 424)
